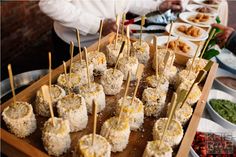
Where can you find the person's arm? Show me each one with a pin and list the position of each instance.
(68, 15)
(231, 43)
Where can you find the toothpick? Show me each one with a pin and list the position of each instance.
(71, 58)
(168, 40)
(139, 76)
(165, 65)
(200, 77)
(122, 26)
(157, 55)
(141, 29)
(11, 83)
(79, 47)
(126, 91)
(173, 103)
(117, 60)
(94, 120)
(128, 40)
(50, 71)
(194, 57)
(117, 30)
(87, 66)
(207, 42)
(66, 76)
(47, 97)
(100, 35)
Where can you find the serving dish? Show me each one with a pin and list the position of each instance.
(137, 141)
(175, 32)
(217, 94)
(210, 5)
(194, 7)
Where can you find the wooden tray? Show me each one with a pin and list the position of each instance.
(32, 145)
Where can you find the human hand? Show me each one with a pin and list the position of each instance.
(222, 37)
(109, 26)
(174, 5)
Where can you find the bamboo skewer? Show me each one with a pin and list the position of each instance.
(87, 66)
(117, 60)
(207, 42)
(94, 121)
(157, 56)
(168, 40)
(200, 76)
(128, 40)
(141, 29)
(11, 83)
(50, 71)
(139, 76)
(47, 97)
(117, 30)
(71, 58)
(173, 103)
(66, 76)
(100, 35)
(125, 94)
(79, 47)
(123, 25)
(194, 57)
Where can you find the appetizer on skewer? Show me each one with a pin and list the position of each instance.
(174, 133)
(101, 146)
(126, 64)
(20, 119)
(141, 51)
(75, 81)
(153, 81)
(79, 68)
(56, 138)
(154, 101)
(185, 75)
(116, 134)
(112, 52)
(134, 111)
(41, 105)
(183, 114)
(198, 64)
(194, 95)
(152, 149)
(72, 107)
(112, 81)
(91, 93)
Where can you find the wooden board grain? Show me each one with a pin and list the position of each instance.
(32, 145)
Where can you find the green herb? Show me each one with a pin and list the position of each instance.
(225, 108)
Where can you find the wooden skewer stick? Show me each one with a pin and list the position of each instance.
(94, 120)
(180, 97)
(128, 40)
(200, 77)
(167, 56)
(207, 42)
(11, 83)
(139, 76)
(194, 57)
(66, 76)
(168, 40)
(123, 25)
(157, 55)
(87, 66)
(117, 30)
(71, 58)
(100, 35)
(126, 91)
(79, 47)
(141, 29)
(173, 103)
(117, 60)
(47, 97)
(50, 71)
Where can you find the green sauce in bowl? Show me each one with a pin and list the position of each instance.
(225, 108)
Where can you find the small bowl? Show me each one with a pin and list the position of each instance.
(219, 85)
(217, 94)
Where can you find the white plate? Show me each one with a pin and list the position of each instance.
(161, 40)
(209, 5)
(175, 32)
(193, 7)
(186, 15)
